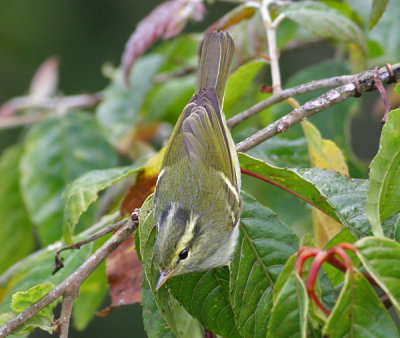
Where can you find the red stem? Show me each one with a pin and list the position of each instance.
(294, 193)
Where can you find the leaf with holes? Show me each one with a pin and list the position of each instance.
(289, 313)
(383, 196)
(339, 196)
(264, 246)
(381, 258)
(359, 312)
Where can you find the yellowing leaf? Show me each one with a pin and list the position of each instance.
(324, 154)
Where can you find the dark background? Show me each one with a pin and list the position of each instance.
(85, 35)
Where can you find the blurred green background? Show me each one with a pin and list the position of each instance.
(85, 35)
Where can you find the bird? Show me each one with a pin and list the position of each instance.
(197, 203)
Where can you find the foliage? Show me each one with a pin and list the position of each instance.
(72, 169)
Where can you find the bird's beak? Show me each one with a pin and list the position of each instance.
(164, 276)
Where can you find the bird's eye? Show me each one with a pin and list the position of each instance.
(183, 254)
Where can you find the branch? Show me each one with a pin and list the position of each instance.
(59, 264)
(287, 93)
(56, 104)
(70, 286)
(354, 87)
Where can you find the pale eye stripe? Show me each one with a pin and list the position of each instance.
(230, 185)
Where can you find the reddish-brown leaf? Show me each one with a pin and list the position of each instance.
(124, 275)
(233, 17)
(164, 22)
(138, 193)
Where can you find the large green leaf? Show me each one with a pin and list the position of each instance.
(381, 258)
(383, 196)
(57, 151)
(325, 21)
(264, 246)
(16, 228)
(378, 8)
(84, 191)
(337, 195)
(289, 314)
(359, 312)
(239, 82)
(162, 297)
(119, 109)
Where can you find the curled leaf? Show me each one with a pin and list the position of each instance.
(44, 82)
(165, 21)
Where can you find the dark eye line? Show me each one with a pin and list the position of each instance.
(183, 254)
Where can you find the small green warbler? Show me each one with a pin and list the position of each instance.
(197, 201)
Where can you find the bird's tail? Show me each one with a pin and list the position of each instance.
(215, 62)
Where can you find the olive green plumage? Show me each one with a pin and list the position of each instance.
(197, 199)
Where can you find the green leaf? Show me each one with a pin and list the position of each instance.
(239, 82)
(383, 196)
(84, 191)
(37, 269)
(381, 258)
(24, 299)
(378, 8)
(337, 195)
(174, 95)
(359, 312)
(57, 151)
(283, 152)
(147, 237)
(264, 246)
(289, 313)
(153, 321)
(119, 109)
(385, 33)
(325, 21)
(16, 229)
(208, 300)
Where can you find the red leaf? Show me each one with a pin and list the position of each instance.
(164, 22)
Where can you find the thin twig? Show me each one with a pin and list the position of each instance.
(284, 94)
(27, 261)
(271, 28)
(58, 262)
(75, 280)
(330, 98)
(66, 310)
